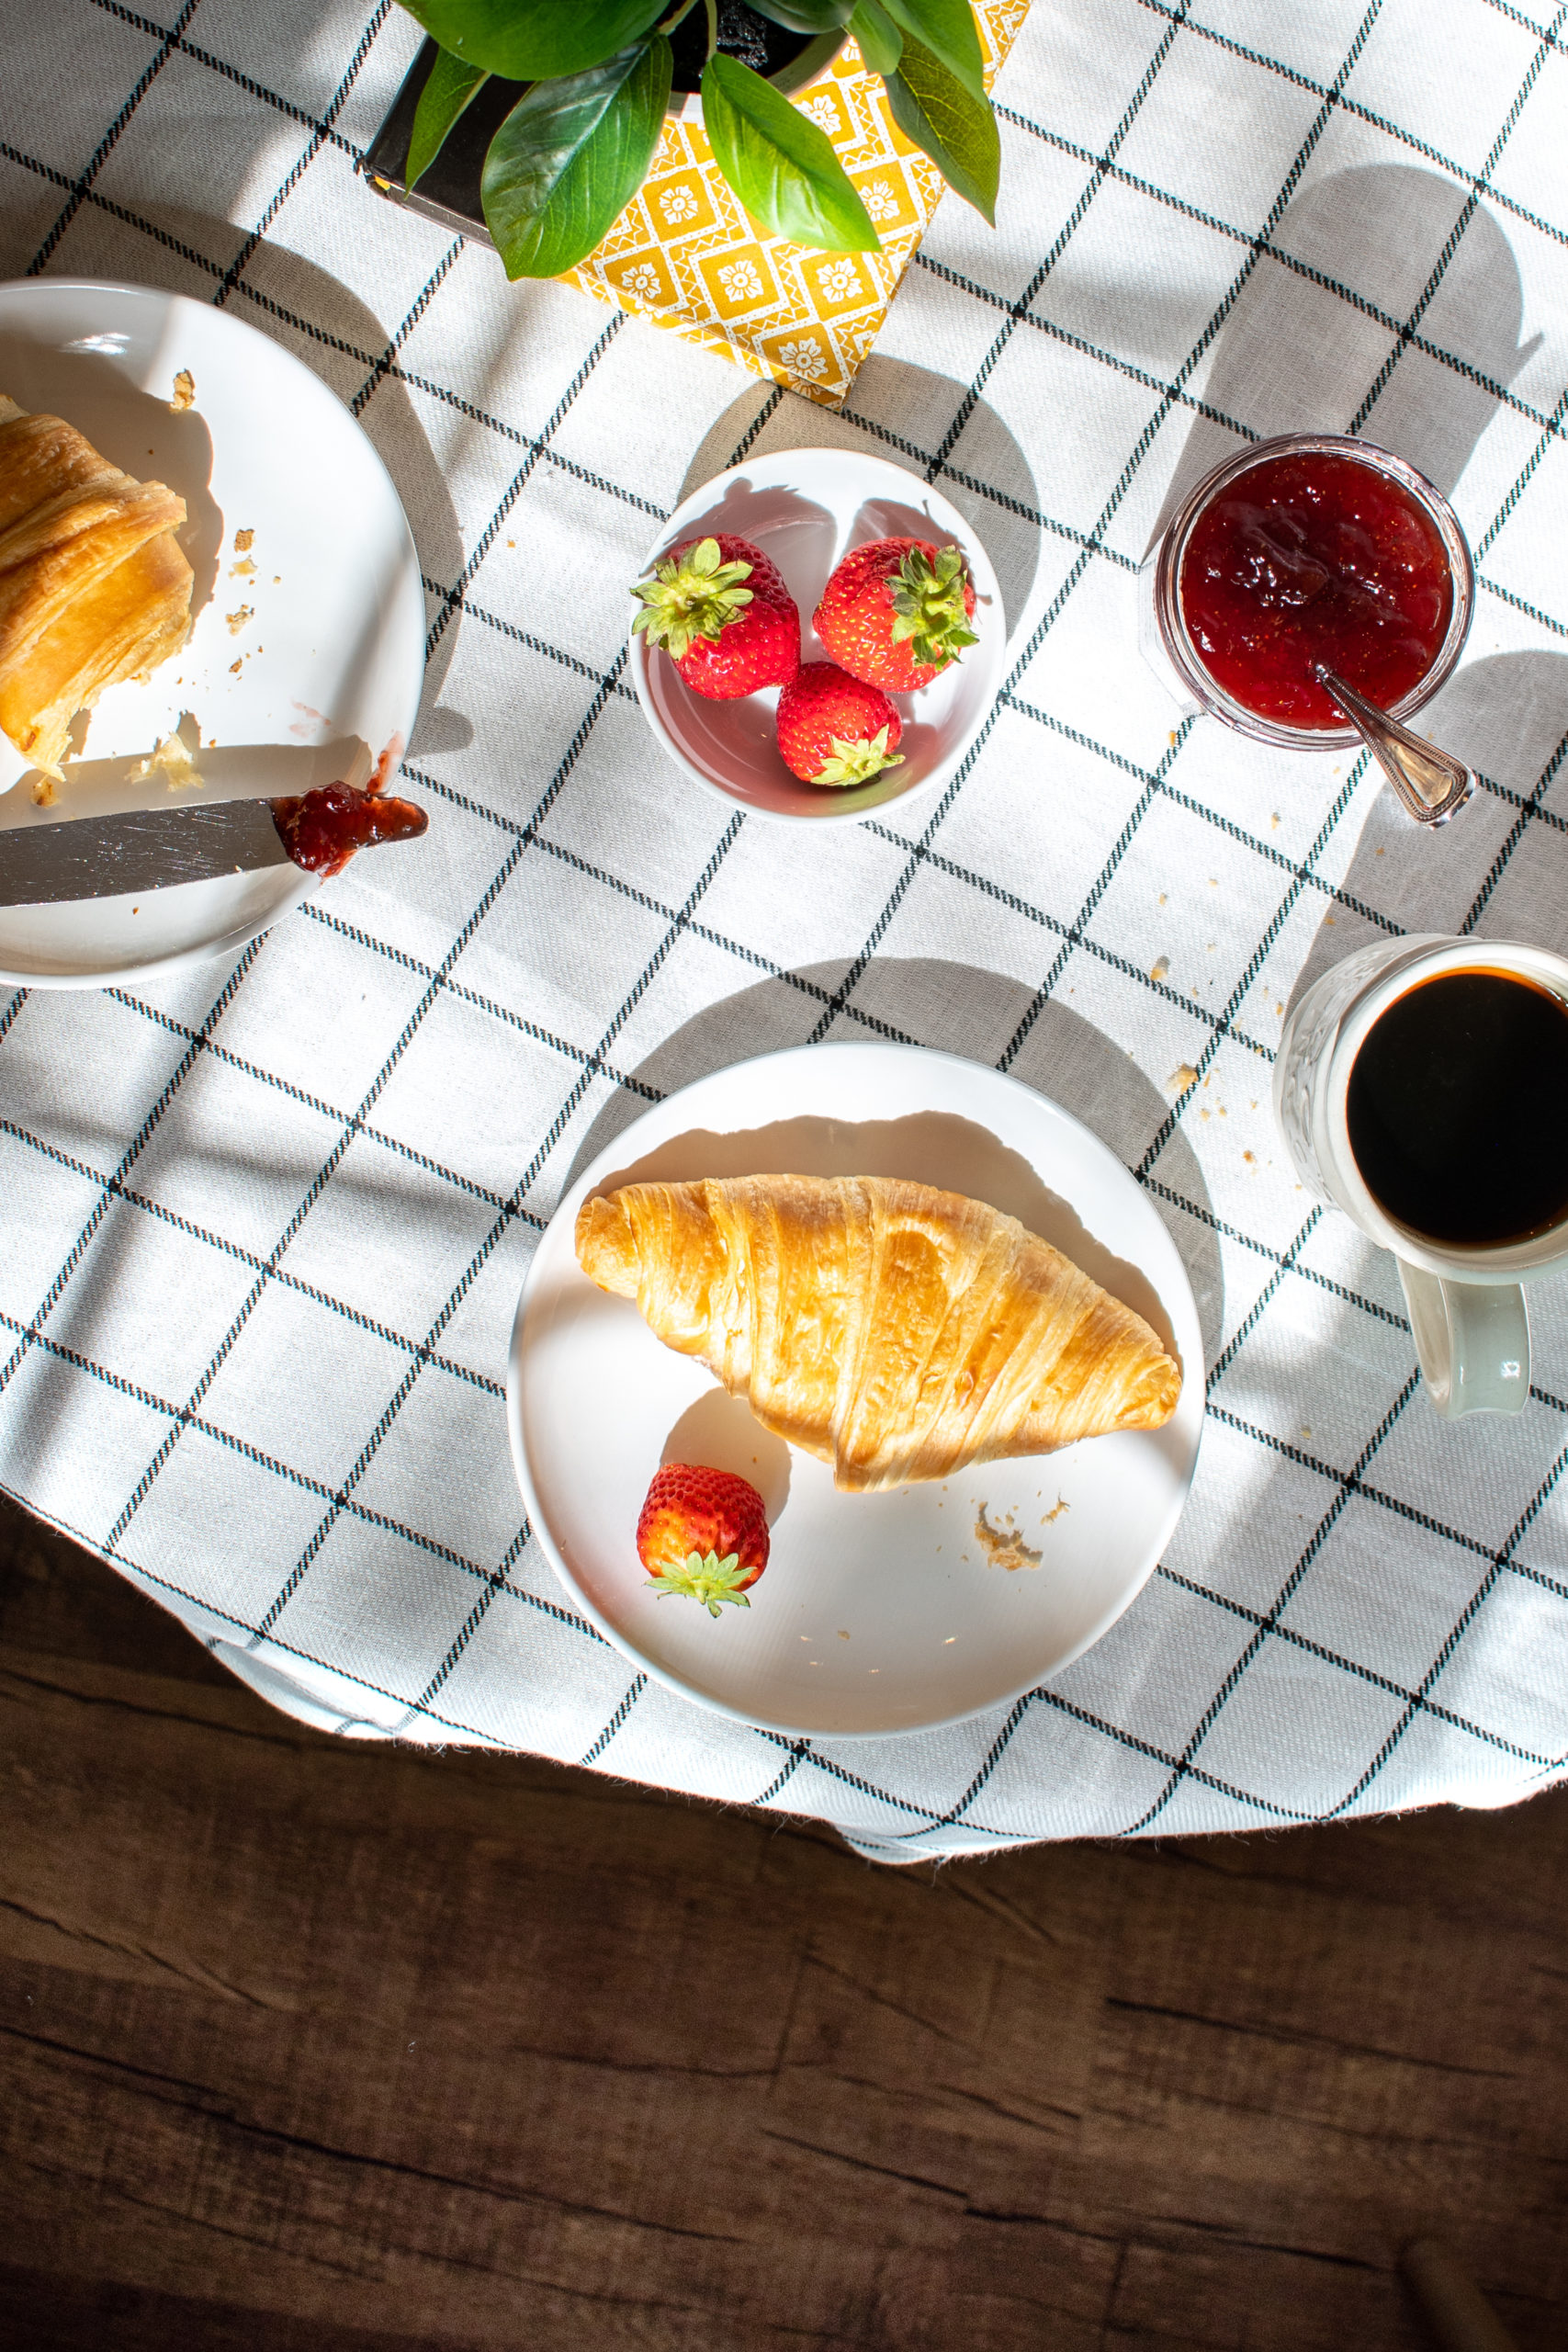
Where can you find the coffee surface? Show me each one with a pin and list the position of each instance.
(1457, 1109)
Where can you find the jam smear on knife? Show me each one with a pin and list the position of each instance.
(1308, 560)
(322, 829)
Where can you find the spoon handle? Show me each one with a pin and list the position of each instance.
(1431, 784)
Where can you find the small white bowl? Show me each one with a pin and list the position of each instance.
(806, 508)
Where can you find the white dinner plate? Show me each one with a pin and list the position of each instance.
(805, 509)
(877, 1612)
(334, 645)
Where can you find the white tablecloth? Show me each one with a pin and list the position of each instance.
(265, 1223)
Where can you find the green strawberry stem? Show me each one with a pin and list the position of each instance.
(711, 1581)
(928, 600)
(858, 762)
(697, 596)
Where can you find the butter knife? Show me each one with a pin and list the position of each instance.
(104, 835)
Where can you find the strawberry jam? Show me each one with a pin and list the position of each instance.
(1313, 559)
(322, 829)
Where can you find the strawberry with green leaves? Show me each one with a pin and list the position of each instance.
(833, 729)
(720, 609)
(702, 1532)
(896, 613)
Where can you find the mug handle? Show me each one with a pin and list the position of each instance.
(1473, 1341)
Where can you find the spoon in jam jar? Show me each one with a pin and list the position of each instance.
(1431, 783)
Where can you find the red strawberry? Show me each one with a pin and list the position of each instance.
(721, 612)
(702, 1532)
(894, 612)
(836, 730)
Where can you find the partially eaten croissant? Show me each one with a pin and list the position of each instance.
(94, 586)
(895, 1331)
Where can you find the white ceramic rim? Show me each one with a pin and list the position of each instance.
(238, 934)
(1510, 1261)
(991, 650)
(1178, 1302)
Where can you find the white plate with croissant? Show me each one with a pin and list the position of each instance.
(233, 568)
(935, 1324)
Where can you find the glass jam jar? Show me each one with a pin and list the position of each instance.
(1313, 548)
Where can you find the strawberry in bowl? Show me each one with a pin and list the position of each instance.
(897, 613)
(836, 730)
(702, 1534)
(720, 609)
(805, 512)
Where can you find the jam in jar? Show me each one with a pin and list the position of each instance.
(1314, 557)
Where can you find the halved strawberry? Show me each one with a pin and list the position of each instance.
(702, 1532)
(896, 613)
(721, 611)
(834, 729)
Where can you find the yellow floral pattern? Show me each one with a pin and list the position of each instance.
(685, 256)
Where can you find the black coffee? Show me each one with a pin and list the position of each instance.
(1457, 1109)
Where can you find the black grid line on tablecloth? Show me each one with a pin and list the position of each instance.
(250, 1258)
(81, 187)
(1480, 182)
(947, 276)
(1305, 270)
(319, 133)
(1350, 106)
(1210, 1714)
(138, 1144)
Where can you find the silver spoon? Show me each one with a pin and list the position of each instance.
(1431, 783)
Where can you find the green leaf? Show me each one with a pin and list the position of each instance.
(805, 16)
(451, 86)
(956, 130)
(531, 41)
(780, 165)
(881, 42)
(570, 156)
(946, 27)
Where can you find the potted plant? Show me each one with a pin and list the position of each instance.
(573, 98)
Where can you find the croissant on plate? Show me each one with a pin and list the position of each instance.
(895, 1331)
(94, 586)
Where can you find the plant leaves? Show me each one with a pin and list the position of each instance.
(945, 28)
(532, 42)
(780, 165)
(806, 16)
(957, 130)
(881, 42)
(451, 86)
(570, 156)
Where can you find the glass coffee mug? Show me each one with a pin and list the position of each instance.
(1422, 1087)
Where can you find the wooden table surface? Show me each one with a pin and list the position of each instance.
(313, 2043)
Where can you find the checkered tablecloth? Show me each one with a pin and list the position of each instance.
(265, 1223)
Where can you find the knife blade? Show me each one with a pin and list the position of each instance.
(145, 849)
(106, 833)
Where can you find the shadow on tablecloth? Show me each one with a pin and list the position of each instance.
(959, 1008)
(1499, 868)
(906, 415)
(1311, 328)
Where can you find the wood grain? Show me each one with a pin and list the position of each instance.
(312, 2042)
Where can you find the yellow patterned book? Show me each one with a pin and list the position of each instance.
(685, 256)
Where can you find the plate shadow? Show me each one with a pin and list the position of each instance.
(908, 414)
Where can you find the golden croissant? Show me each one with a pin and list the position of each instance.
(895, 1332)
(94, 586)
